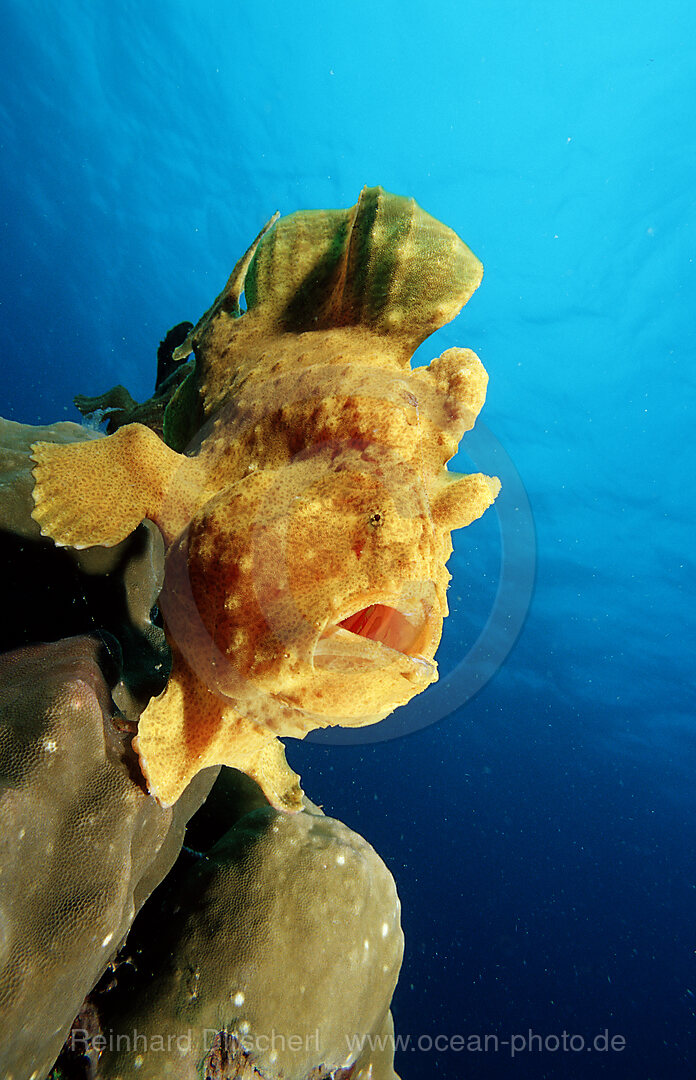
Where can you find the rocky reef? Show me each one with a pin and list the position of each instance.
(82, 846)
(257, 550)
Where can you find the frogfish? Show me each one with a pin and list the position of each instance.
(300, 484)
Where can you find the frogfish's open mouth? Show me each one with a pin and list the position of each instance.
(375, 635)
(385, 624)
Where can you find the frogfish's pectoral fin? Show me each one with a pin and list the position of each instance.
(95, 493)
(461, 499)
(188, 728)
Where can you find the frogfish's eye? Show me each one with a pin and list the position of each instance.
(376, 519)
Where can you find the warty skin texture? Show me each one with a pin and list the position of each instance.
(308, 524)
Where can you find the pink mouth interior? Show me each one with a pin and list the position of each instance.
(386, 625)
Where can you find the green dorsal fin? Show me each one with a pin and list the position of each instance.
(383, 264)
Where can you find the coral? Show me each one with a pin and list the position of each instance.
(81, 843)
(287, 926)
(309, 526)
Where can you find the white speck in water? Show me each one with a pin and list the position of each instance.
(244, 1027)
(50, 745)
(340, 859)
(107, 939)
(239, 998)
(385, 929)
(366, 943)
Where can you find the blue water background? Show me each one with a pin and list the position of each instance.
(543, 835)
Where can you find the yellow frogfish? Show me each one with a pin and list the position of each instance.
(307, 518)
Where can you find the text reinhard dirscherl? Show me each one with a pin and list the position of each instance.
(529, 1042)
